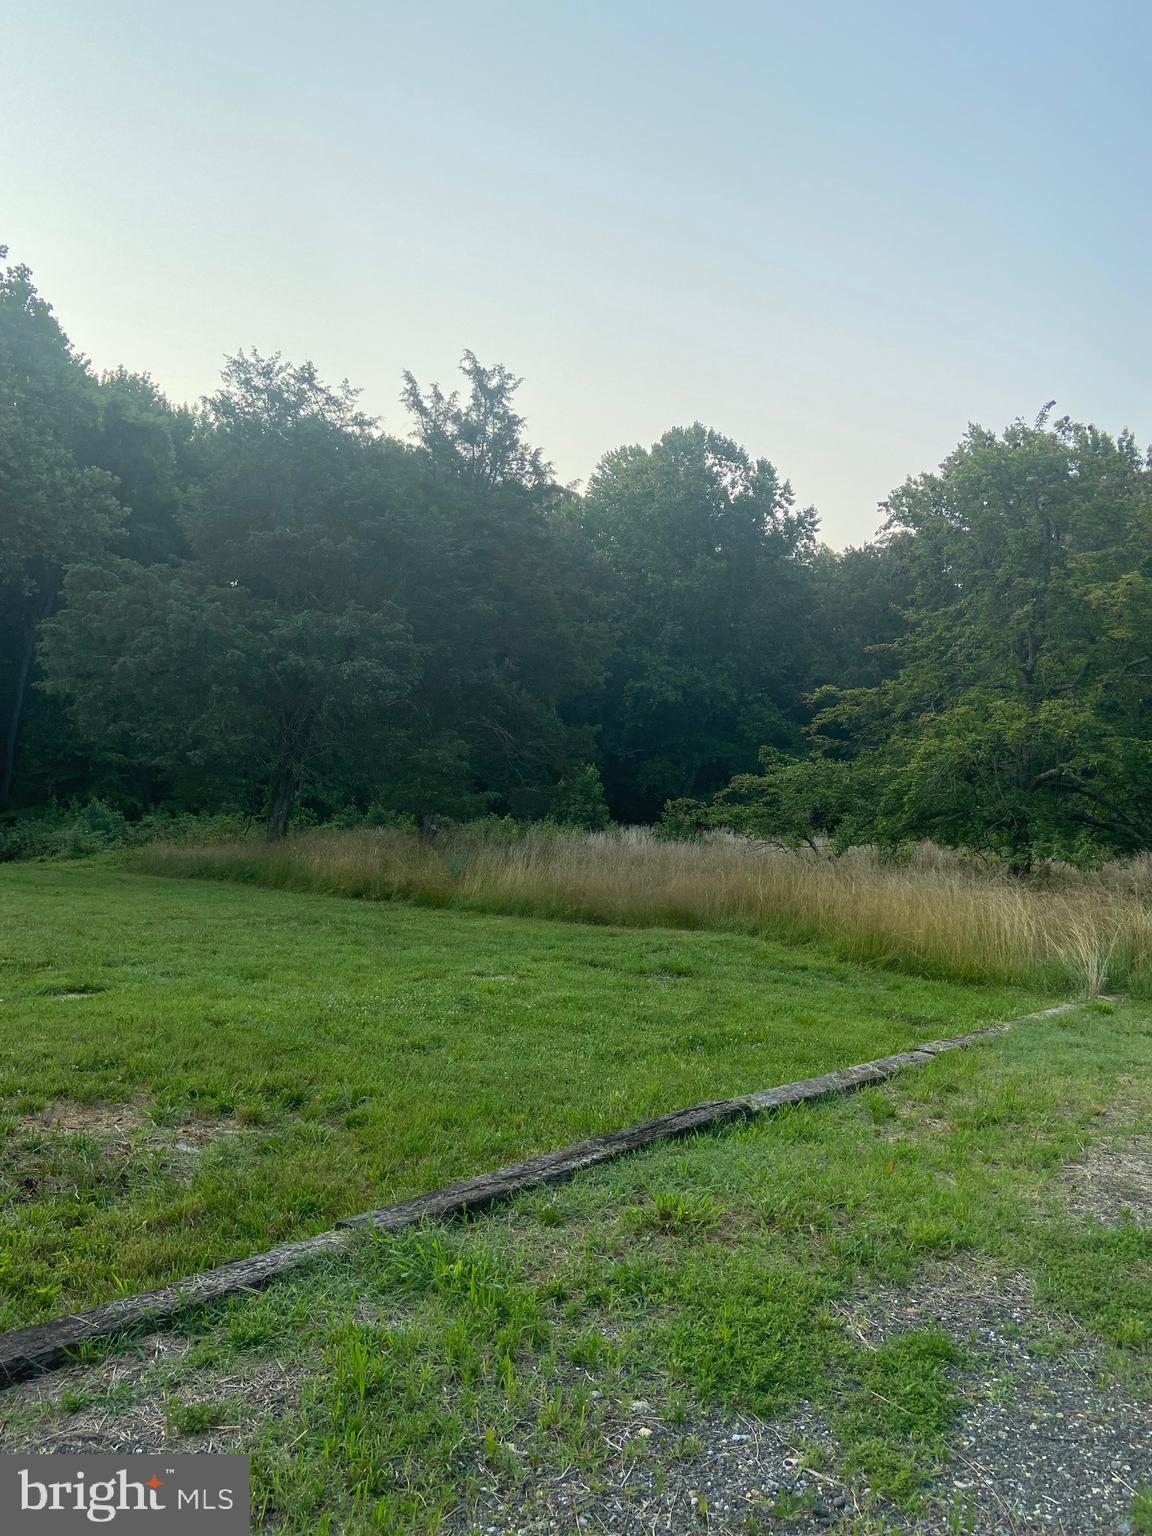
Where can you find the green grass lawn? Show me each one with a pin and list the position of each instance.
(420, 1382)
(284, 1060)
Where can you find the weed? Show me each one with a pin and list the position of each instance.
(675, 1212)
(199, 1418)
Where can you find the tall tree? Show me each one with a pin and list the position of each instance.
(146, 443)
(1018, 719)
(53, 508)
(859, 600)
(499, 584)
(254, 663)
(707, 563)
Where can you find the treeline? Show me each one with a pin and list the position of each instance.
(266, 606)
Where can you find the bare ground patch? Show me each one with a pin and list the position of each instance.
(71, 1146)
(144, 1402)
(1112, 1184)
(122, 1122)
(1046, 1445)
(1048, 1441)
(112, 1121)
(738, 1475)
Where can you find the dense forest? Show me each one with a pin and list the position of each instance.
(264, 605)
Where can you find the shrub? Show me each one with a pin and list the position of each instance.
(578, 800)
(79, 830)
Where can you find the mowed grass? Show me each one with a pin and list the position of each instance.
(567, 1347)
(283, 1060)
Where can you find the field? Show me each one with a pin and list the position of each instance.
(887, 1313)
(826, 1319)
(931, 911)
(193, 1071)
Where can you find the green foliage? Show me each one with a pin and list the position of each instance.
(268, 603)
(84, 828)
(703, 559)
(54, 507)
(1011, 715)
(192, 679)
(578, 799)
(895, 1421)
(860, 598)
(793, 802)
(350, 619)
(1017, 720)
(199, 1418)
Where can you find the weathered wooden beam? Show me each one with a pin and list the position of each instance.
(26, 1352)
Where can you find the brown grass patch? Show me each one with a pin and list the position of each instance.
(1111, 1185)
(117, 1122)
(131, 1402)
(120, 1122)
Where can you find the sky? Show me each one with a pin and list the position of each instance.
(837, 232)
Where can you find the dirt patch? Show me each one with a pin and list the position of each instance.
(123, 1122)
(1112, 1185)
(712, 1473)
(1047, 1443)
(135, 1403)
(112, 1121)
(110, 1149)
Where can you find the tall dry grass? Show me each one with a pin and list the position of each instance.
(936, 913)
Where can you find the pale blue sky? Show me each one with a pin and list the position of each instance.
(837, 232)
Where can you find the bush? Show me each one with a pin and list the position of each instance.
(79, 830)
(71, 832)
(578, 800)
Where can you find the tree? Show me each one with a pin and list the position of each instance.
(482, 443)
(146, 443)
(1018, 717)
(706, 564)
(578, 799)
(793, 802)
(53, 507)
(221, 691)
(267, 655)
(365, 620)
(859, 600)
(498, 581)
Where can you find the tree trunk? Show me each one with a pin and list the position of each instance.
(12, 731)
(46, 585)
(1020, 854)
(284, 788)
